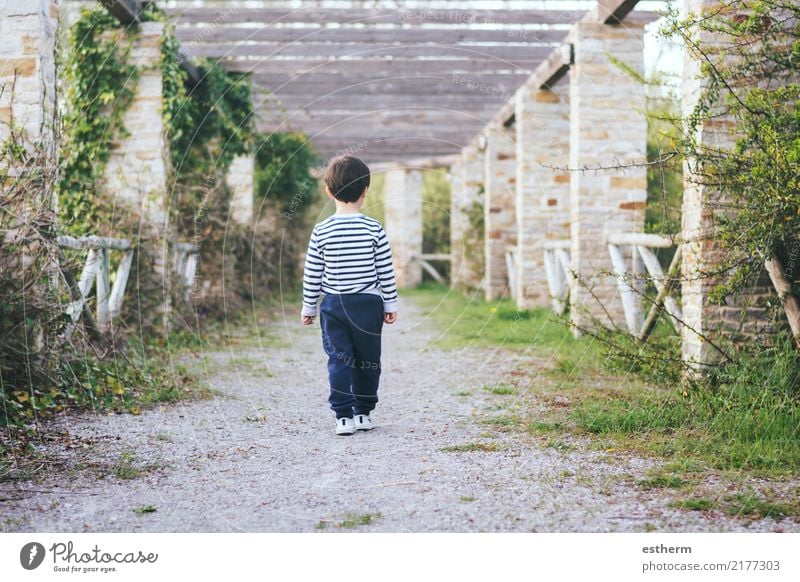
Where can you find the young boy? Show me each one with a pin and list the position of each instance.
(350, 262)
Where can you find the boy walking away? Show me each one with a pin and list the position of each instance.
(349, 261)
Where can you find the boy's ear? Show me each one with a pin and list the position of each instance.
(328, 192)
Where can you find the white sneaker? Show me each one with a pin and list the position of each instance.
(363, 422)
(345, 426)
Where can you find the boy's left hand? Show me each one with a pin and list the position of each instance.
(307, 319)
(390, 317)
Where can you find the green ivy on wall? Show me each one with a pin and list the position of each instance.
(99, 88)
(283, 170)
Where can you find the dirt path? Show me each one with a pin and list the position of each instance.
(262, 456)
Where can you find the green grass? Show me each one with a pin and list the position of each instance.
(694, 504)
(751, 505)
(472, 447)
(744, 420)
(472, 321)
(125, 467)
(467, 499)
(350, 521)
(500, 390)
(661, 481)
(143, 509)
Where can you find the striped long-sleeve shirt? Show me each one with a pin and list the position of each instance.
(348, 253)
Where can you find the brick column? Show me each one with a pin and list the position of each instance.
(240, 180)
(136, 171)
(542, 194)
(466, 205)
(500, 191)
(403, 202)
(27, 68)
(607, 128)
(738, 317)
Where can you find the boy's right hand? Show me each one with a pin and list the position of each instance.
(390, 317)
(307, 319)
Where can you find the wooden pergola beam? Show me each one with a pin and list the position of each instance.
(553, 68)
(366, 16)
(381, 66)
(610, 11)
(126, 11)
(326, 51)
(366, 35)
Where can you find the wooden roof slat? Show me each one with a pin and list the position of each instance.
(455, 101)
(373, 51)
(223, 34)
(316, 15)
(376, 66)
(499, 86)
(324, 79)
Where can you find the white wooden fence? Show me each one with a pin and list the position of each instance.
(424, 262)
(511, 267)
(631, 280)
(559, 275)
(96, 271)
(187, 256)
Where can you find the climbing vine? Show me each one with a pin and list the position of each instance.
(283, 170)
(99, 88)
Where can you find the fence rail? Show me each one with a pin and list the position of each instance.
(644, 264)
(559, 275)
(187, 257)
(424, 261)
(511, 267)
(96, 272)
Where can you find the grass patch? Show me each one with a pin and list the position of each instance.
(661, 481)
(504, 421)
(540, 426)
(471, 447)
(125, 468)
(500, 390)
(560, 446)
(751, 505)
(694, 504)
(467, 499)
(350, 521)
(143, 509)
(472, 321)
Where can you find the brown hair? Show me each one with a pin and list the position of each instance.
(347, 177)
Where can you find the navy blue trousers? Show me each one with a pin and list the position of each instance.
(351, 336)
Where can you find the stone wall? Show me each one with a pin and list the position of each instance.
(499, 216)
(28, 68)
(466, 204)
(542, 193)
(607, 128)
(403, 223)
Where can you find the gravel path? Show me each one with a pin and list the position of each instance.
(262, 456)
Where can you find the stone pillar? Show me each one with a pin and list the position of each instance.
(27, 69)
(466, 217)
(136, 172)
(737, 318)
(403, 202)
(542, 194)
(240, 180)
(500, 192)
(607, 128)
